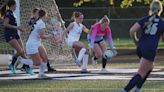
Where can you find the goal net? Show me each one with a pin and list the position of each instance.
(59, 55)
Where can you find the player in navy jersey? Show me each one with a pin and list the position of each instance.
(152, 28)
(11, 31)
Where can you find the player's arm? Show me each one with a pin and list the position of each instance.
(110, 41)
(43, 34)
(133, 32)
(67, 30)
(86, 30)
(7, 25)
(163, 37)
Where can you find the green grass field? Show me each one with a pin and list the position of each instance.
(74, 86)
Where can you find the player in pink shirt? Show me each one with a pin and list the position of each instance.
(97, 43)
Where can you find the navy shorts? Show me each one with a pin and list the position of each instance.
(10, 35)
(96, 41)
(146, 53)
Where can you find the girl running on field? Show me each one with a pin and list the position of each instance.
(74, 31)
(152, 28)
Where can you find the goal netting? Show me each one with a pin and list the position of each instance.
(59, 55)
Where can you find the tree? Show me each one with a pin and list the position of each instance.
(122, 3)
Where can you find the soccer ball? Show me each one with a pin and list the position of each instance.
(108, 54)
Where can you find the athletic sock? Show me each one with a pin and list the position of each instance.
(42, 68)
(104, 61)
(81, 54)
(25, 66)
(133, 82)
(14, 59)
(48, 65)
(27, 61)
(95, 58)
(139, 85)
(85, 61)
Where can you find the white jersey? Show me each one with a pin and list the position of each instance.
(34, 36)
(75, 32)
(34, 40)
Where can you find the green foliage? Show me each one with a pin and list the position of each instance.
(123, 3)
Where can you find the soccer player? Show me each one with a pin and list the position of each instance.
(34, 47)
(31, 23)
(152, 27)
(11, 34)
(97, 43)
(75, 29)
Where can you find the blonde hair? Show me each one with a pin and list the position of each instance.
(104, 19)
(156, 8)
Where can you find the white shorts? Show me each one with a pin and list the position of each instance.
(70, 41)
(32, 47)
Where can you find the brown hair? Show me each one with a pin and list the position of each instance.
(4, 7)
(41, 13)
(35, 10)
(76, 15)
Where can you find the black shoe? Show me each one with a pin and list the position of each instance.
(51, 70)
(24, 67)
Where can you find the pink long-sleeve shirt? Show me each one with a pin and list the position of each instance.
(97, 34)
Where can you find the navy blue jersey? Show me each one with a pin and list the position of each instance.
(151, 34)
(12, 19)
(32, 22)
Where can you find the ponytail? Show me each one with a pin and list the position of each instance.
(155, 9)
(76, 15)
(3, 10)
(5, 7)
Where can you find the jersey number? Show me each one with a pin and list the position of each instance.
(151, 29)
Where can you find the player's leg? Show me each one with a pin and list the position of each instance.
(24, 67)
(97, 54)
(38, 61)
(44, 56)
(81, 49)
(14, 43)
(102, 45)
(144, 68)
(83, 55)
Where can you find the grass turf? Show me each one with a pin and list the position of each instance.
(73, 86)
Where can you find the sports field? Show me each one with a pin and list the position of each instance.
(73, 86)
(126, 59)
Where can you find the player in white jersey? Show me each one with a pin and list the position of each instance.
(34, 47)
(75, 29)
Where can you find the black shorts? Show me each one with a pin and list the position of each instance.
(98, 41)
(146, 53)
(10, 35)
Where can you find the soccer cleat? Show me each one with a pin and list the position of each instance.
(51, 69)
(137, 90)
(22, 69)
(12, 68)
(94, 63)
(103, 70)
(84, 71)
(122, 90)
(42, 76)
(29, 71)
